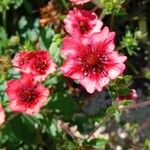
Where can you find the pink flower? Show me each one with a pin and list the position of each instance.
(21, 61)
(131, 96)
(42, 65)
(26, 95)
(91, 60)
(78, 2)
(39, 63)
(82, 22)
(2, 115)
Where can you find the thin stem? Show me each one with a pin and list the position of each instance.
(102, 15)
(5, 27)
(115, 104)
(97, 3)
(4, 19)
(112, 21)
(65, 4)
(142, 104)
(107, 118)
(119, 48)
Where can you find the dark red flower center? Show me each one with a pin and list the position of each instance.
(84, 26)
(28, 95)
(41, 65)
(93, 62)
(91, 59)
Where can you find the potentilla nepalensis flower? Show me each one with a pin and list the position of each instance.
(38, 63)
(26, 95)
(131, 96)
(91, 60)
(2, 115)
(82, 22)
(78, 2)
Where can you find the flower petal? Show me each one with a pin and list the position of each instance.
(116, 71)
(89, 84)
(69, 47)
(71, 69)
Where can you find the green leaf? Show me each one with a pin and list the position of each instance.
(28, 6)
(99, 143)
(53, 128)
(55, 52)
(147, 144)
(147, 74)
(3, 40)
(4, 138)
(13, 74)
(50, 81)
(126, 103)
(3, 86)
(124, 91)
(111, 110)
(46, 37)
(32, 35)
(22, 22)
(118, 115)
(4, 5)
(3, 34)
(63, 104)
(20, 130)
(17, 3)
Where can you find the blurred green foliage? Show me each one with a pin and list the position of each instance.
(129, 41)
(5, 4)
(112, 7)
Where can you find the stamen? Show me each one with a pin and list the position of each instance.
(27, 94)
(93, 62)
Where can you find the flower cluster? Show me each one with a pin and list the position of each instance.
(89, 51)
(89, 56)
(27, 94)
